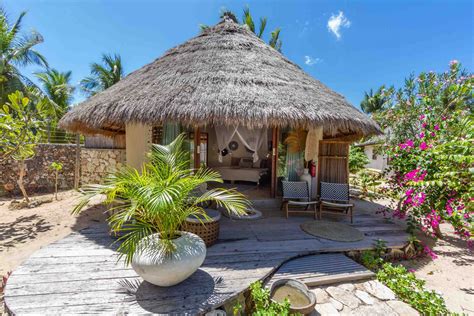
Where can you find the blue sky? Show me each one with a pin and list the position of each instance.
(351, 46)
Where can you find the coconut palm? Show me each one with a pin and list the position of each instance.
(159, 197)
(59, 91)
(373, 102)
(16, 51)
(247, 19)
(57, 86)
(103, 75)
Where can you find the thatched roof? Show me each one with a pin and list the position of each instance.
(225, 75)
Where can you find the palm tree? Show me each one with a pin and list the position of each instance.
(247, 19)
(373, 102)
(103, 75)
(57, 86)
(16, 50)
(59, 91)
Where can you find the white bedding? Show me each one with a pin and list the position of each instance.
(241, 174)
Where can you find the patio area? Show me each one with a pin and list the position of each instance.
(80, 273)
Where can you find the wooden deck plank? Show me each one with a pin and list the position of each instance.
(80, 273)
(321, 269)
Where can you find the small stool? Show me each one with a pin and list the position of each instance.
(207, 229)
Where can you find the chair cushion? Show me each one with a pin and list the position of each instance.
(302, 202)
(326, 203)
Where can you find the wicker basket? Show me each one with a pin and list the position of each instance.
(208, 230)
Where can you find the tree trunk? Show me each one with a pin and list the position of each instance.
(22, 171)
(438, 232)
(56, 185)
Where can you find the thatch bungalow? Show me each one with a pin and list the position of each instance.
(237, 97)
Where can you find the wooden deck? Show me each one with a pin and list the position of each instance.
(80, 274)
(322, 269)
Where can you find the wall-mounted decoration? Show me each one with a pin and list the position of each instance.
(233, 145)
(224, 152)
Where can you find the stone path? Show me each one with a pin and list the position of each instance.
(363, 298)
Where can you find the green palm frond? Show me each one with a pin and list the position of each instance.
(103, 75)
(159, 197)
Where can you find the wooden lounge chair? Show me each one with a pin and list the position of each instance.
(297, 193)
(336, 197)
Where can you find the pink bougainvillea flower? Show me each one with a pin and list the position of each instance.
(424, 125)
(436, 127)
(411, 270)
(453, 62)
(421, 135)
(423, 146)
(422, 116)
(427, 250)
(433, 134)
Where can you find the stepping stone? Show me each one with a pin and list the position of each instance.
(345, 297)
(379, 309)
(402, 308)
(337, 305)
(364, 297)
(379, 290)
(324, 309)
(321, 295)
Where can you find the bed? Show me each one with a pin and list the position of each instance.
(241, 174)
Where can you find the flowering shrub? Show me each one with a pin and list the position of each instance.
(431, 149)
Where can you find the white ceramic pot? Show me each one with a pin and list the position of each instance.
(166, 270)
(306, 177)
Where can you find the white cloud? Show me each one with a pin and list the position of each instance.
(310, 61)
(335, 23)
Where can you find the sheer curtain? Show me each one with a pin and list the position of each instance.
(253, 139)
(170, 132)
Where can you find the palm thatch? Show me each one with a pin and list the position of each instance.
(225, 75)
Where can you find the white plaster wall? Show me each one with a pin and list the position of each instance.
(380, 163)
(138, 143)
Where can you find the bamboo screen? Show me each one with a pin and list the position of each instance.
(333, 162)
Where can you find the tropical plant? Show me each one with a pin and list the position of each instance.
(374, 102)
(248, 20)
(263, 305)
(357, 159)
(57, 87)
(16, 51)
(57, 167)
(21, 123)
(159, 197)
(431, 150)
(411, 290)
(103, 75)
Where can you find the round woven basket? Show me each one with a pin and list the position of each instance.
(208, 229)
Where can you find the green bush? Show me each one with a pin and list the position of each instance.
(411, 290)
(357, 159)
(263, 305)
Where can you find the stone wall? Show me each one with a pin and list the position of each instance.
(39, 176)
(97, 163)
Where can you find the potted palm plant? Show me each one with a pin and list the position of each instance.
(149, 206)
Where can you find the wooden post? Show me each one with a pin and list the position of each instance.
(274, 180)
(197, 147)
(77, 165)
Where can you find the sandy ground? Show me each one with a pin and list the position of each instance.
(451, 274)
(22, 232)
